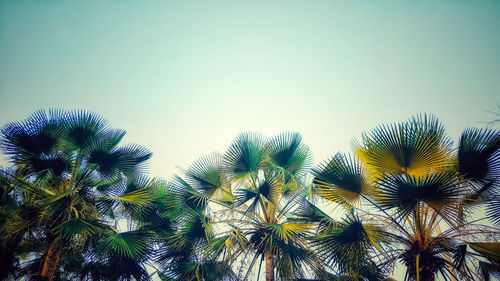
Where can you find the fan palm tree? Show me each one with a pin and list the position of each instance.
(408, 178)
(71, 184)
(237, 212)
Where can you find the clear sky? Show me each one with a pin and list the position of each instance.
(183, 78)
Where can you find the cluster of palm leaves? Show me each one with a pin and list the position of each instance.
(71, 186)
(76, 205)
(417, 201)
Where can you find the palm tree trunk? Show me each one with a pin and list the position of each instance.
(51, 261)
(269, 267)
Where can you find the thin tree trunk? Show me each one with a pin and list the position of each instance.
(51, 262)
(269, 267)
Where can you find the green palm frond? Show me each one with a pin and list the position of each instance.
(110, 187)
(34, 136)
(133, 158)
(206, 176)
(347, 244)
(137, 182)
(479, 154)
(308, 212)
(165, 207)
(268, 188)
(131, 244)
(493, 210)
(286, 244)
(133, 194)
(107, 162)
(245, 156)
(34, 143)
(113, 267)
(226, 246)
(439, 191)
(204, 271)
(243, 195)
(83, 128)
(80, 227)
(341, 179)
(416, 147)
(56, 163)
(286, 231)
(289, 157)
(268, 237)
(123, 159)
(293, 261)
(191, 197)
(194, 229)
(136, 199)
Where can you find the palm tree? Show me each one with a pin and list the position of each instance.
(70, 186)
(407, 178)
(8, 206)
(237, 212)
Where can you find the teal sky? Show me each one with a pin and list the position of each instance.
(183, 78)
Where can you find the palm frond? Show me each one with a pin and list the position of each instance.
(493, 210)
(83, 128)
(439, 191)
(346, 245)
(37, 134)
(80, 227)
(131, 244)
(289, 157)
(206, 175)
(228, 245)
(293, 261)
(416, 147)
(207, 271)
(308, 212)
(341, 179)
(137, 198)
(124, 159)
(245, 156)
(194, 230)
(191, 197)
(479, 154)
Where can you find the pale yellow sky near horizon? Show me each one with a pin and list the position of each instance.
(183, 78)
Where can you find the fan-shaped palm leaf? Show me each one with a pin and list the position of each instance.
(493, 210)
(83, 128)
(289, 157)
(229, 245)
(80, 227)
(309, 213)
(245, 156)
(124, 159)
(479, 154)
(36, 135)
(416, 147)
(191, 197)
(341, 180)
(205, 271)
(206, 176)
(131, 244)
(346, 245)
(439, 191)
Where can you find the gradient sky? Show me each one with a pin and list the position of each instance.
(184, 78)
